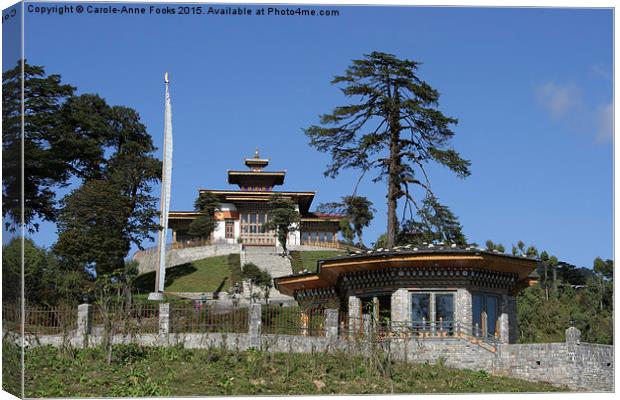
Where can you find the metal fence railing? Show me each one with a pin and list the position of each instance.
(137, 318)
(40, 319)
(292, 321)
(205, 318)
(140, 318)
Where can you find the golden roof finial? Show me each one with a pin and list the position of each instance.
(256, 153)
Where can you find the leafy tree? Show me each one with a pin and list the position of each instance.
(47, 281)
(207, 204)
(90, 227)
(346, 230)
(258, 277)
(100, 220)
(283, 217)
(495, 246)
(44, 160)
(409, 131)
(543, 319)
(358, 211)
(381, 242)
(600, 285)
(436, 223)
(572, 275)
(604, 268)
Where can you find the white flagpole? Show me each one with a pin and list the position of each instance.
(160, 274)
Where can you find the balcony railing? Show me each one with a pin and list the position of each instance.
(332, 245)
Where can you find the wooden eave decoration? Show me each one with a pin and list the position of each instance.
(304, 199)
(329, 270)
(182, 215)
(275, 178)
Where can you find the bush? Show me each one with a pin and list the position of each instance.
(128, 353)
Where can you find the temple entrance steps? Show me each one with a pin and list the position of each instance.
(268, 259)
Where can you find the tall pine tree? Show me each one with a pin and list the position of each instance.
(393, 127)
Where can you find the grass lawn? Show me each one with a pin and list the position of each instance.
(213, 274)
(301, 260)
(137, 371)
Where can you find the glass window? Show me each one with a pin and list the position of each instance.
(477, 308)
(485, 304)
(420, 310)
(491, 313)
(444, 311)
(444, 307)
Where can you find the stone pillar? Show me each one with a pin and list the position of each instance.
(511, 310)
(366, 324)
(399, 312)
(573, 338)
(462, 307)
(355, 315)
(255, 325)
(504, 328)
(164, 318)
(400, 306)
(84, 323)
(331, 323)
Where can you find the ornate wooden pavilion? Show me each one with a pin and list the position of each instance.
(432, 288)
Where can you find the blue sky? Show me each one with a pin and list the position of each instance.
(532, 89)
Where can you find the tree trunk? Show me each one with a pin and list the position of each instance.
(393, 167)
(546, 286)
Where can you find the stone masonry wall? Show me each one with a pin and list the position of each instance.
(147, 261)
(594, 366)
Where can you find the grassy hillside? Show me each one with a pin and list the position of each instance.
(213, 274)
(301, 260)
(137, 371)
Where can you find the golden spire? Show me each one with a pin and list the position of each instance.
(256, 153)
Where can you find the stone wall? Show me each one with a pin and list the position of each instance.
(148, 260)
(594, 366)
(572, 363)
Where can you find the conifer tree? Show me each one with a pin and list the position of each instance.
(358, 212)
(282, 217)
(207, 204)
(114, 207)
(436, 222)
(44, 161)
(392, 127)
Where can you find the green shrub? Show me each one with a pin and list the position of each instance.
(128, 353)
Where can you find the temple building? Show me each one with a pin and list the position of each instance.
(431, 290)
(243, 212)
